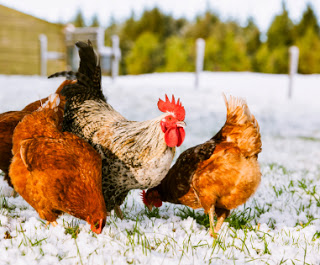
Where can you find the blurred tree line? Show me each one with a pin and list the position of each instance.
(157, 42)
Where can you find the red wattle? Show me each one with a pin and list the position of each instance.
(182, 135)
(174, 136)
(171, 137)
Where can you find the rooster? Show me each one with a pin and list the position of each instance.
(10, 119)
(55, 171)
(218, 175)
(135, 155)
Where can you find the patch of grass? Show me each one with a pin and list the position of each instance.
(71, 228)
(135, 229)
(201, 218)
(241, 219)
(154, 213)
(302, 184)
(26, 241)
(275, 166)
(316, 236)
(261, 209)
(5, 205)
(309, 138)
(309, 222)
(78, 251)
(237, 219)
(136, 238)
(310, 190)
(277, 191)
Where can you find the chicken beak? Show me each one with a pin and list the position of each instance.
(150, 207)
(181, 124)
(97, 228)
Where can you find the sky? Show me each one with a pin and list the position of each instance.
(262, 11)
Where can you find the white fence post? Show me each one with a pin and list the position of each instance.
(116, 55)
(200, 46)
(43, 54)
(293, 64)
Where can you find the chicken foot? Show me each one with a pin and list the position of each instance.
(222, 214)
(54, 224)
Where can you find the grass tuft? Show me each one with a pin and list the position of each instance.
(237, 219)
(201, 218)
(151, 214)
(241, 219)
(71, 228)
(308, 138)
(316, 236)
(5, 205)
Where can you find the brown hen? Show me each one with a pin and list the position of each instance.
(10, 119)
(218, 175)
(55, 171)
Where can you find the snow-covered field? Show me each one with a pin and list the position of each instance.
(280, 224)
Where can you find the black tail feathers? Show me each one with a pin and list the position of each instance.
(70, 75)
(89, 72)
(88, 59)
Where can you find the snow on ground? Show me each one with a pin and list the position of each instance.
(278, 225)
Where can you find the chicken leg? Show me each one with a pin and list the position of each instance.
(222, 214)
(212, 231)
(118, 211)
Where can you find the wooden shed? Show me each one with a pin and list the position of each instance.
(19, 43)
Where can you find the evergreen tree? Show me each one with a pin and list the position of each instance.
(95, 21)
(112, 29)
(79, 20)
(272, 61)
(129, 30)
(178, 55)
(226, 54)
(156, 22)
(274, 55)
(280, 32)
(163, 26)
(251, 33)
(308, 20)
(145, 56)
(203, 27)
(127, 36)
(309, 52)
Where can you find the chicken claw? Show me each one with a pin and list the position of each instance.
(54, 224)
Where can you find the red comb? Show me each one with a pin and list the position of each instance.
(143, 196)
(173, 106)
